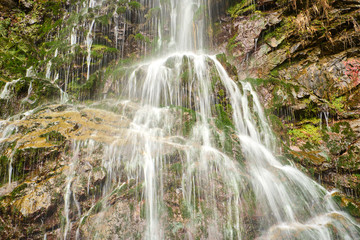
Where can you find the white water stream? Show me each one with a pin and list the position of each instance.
(222, 190)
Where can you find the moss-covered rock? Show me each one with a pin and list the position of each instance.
(26, 94)
(303, 57)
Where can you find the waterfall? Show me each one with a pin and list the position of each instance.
(228, 184)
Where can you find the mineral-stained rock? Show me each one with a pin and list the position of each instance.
(36, 137)
(37, 198)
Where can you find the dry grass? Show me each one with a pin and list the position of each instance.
(310, 10)
(321, 7)
(302, 22)
(317, 7)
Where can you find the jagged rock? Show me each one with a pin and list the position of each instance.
(302, 93)
(274, 43)
(327, 76)
(248, 31)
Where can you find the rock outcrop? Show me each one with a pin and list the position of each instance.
(304, 59)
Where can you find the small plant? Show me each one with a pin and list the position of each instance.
(233, 43)
(141, 38)
(338, 104)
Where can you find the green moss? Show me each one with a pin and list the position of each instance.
(86, 90)
(134, 192)
(353, 210)
(84, 220)
(278, 127)
(232, 43)
(141, 38)
(337, 199)
(176, 168)
(21, 34)
(17, 191)
(104, 19)
(244, 7)
(230, 68)
(4, 163)
(135, 5)
(188, 120)
(274, 73)
(170, 212)
(184, 209)
(99, 50)
(338, 104)
(121, 10)
(345, 129)
(98, 207)
(143, 211)
(257, 81)
(185, 74)
(306, 133)
(334, 147)
(27, 159)
(153, 12)
(223, 119)
(54, 137)
(2, 83)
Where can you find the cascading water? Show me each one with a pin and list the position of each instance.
(230, 184)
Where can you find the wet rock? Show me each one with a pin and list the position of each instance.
(122, 221)
(24, 94)
(98, 176)
(347, 204)
(311, 158)
(42, 186)
(37, 199)
(262, 64)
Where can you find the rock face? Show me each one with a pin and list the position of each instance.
(304, 59)
(39, 149)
